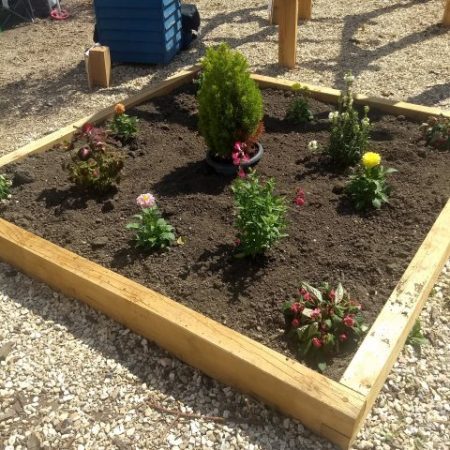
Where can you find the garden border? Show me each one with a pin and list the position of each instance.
(335, 410)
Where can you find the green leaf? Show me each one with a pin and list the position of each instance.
(313, 291)
(376, 203)
(339, 293)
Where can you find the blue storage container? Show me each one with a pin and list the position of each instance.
(140, 31)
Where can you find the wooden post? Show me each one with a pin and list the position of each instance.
(446, 18)
(287, 33)
(304, 9)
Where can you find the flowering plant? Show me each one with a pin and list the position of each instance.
(368, 187)
(94, 164)
(123, 126)
(322, 320)
(260, 215)
(152, 231)
(298, 111)
(436, 132)
(230, 106)
(349, 135)
(5, 185)
(240, 155)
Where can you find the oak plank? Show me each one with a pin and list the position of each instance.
(318, 402)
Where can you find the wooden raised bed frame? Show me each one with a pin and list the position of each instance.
(335, 410)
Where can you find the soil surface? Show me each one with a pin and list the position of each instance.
(327, 240)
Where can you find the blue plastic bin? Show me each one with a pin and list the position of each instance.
(140, 31)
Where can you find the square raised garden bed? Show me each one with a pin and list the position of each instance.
(325, 240)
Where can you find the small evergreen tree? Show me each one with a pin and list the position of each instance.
(230, 104)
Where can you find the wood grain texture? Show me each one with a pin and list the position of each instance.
(446, 18)
(304, 9)
(325, 94)
(66, 133)
(375, 357)
(220, 352)
(287, 33)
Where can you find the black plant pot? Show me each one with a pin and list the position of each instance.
(228, 168)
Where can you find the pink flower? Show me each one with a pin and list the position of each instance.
(238, 146)
(349, 321)
(302, 291)
(241, 173)
(316, 342)
(343, 337)
(332, 294)
(295, 323)
(315, 314)
(236, 158)
(295, 307)
(146, 200)
(245, 158)
(307, 296)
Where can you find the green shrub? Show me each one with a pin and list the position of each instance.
(368, 187)
(349, 135)
(261, 215)
(230, 104)
(298, 111)
(151, 230)
(5, 186)
(95, 166)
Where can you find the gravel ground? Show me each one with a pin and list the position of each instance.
(71, 378)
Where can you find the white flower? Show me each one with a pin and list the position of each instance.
(333, 115)
(313, 146)
(349, 78)
(365, 121)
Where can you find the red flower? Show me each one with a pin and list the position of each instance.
(87, 127)
(349, 321)
(306, 296)
(332, 294)
(343, 337)
(315, 314)
(295, 307)
(300, 198)
(295, 323)
(302, 291)
(316, 342)
(237, 242)
(241, 173)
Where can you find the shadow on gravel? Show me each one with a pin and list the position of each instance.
(149, 364)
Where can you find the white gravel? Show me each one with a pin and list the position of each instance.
(72, 379)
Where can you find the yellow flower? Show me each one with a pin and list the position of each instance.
(371, 159)
(119, 108)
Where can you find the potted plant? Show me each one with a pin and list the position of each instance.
(230, 111)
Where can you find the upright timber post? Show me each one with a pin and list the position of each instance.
(446, 19)
(304, 9)
(287, 33)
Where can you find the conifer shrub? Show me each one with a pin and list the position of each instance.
(230, 105)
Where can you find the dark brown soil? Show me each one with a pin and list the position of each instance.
(327, 240)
